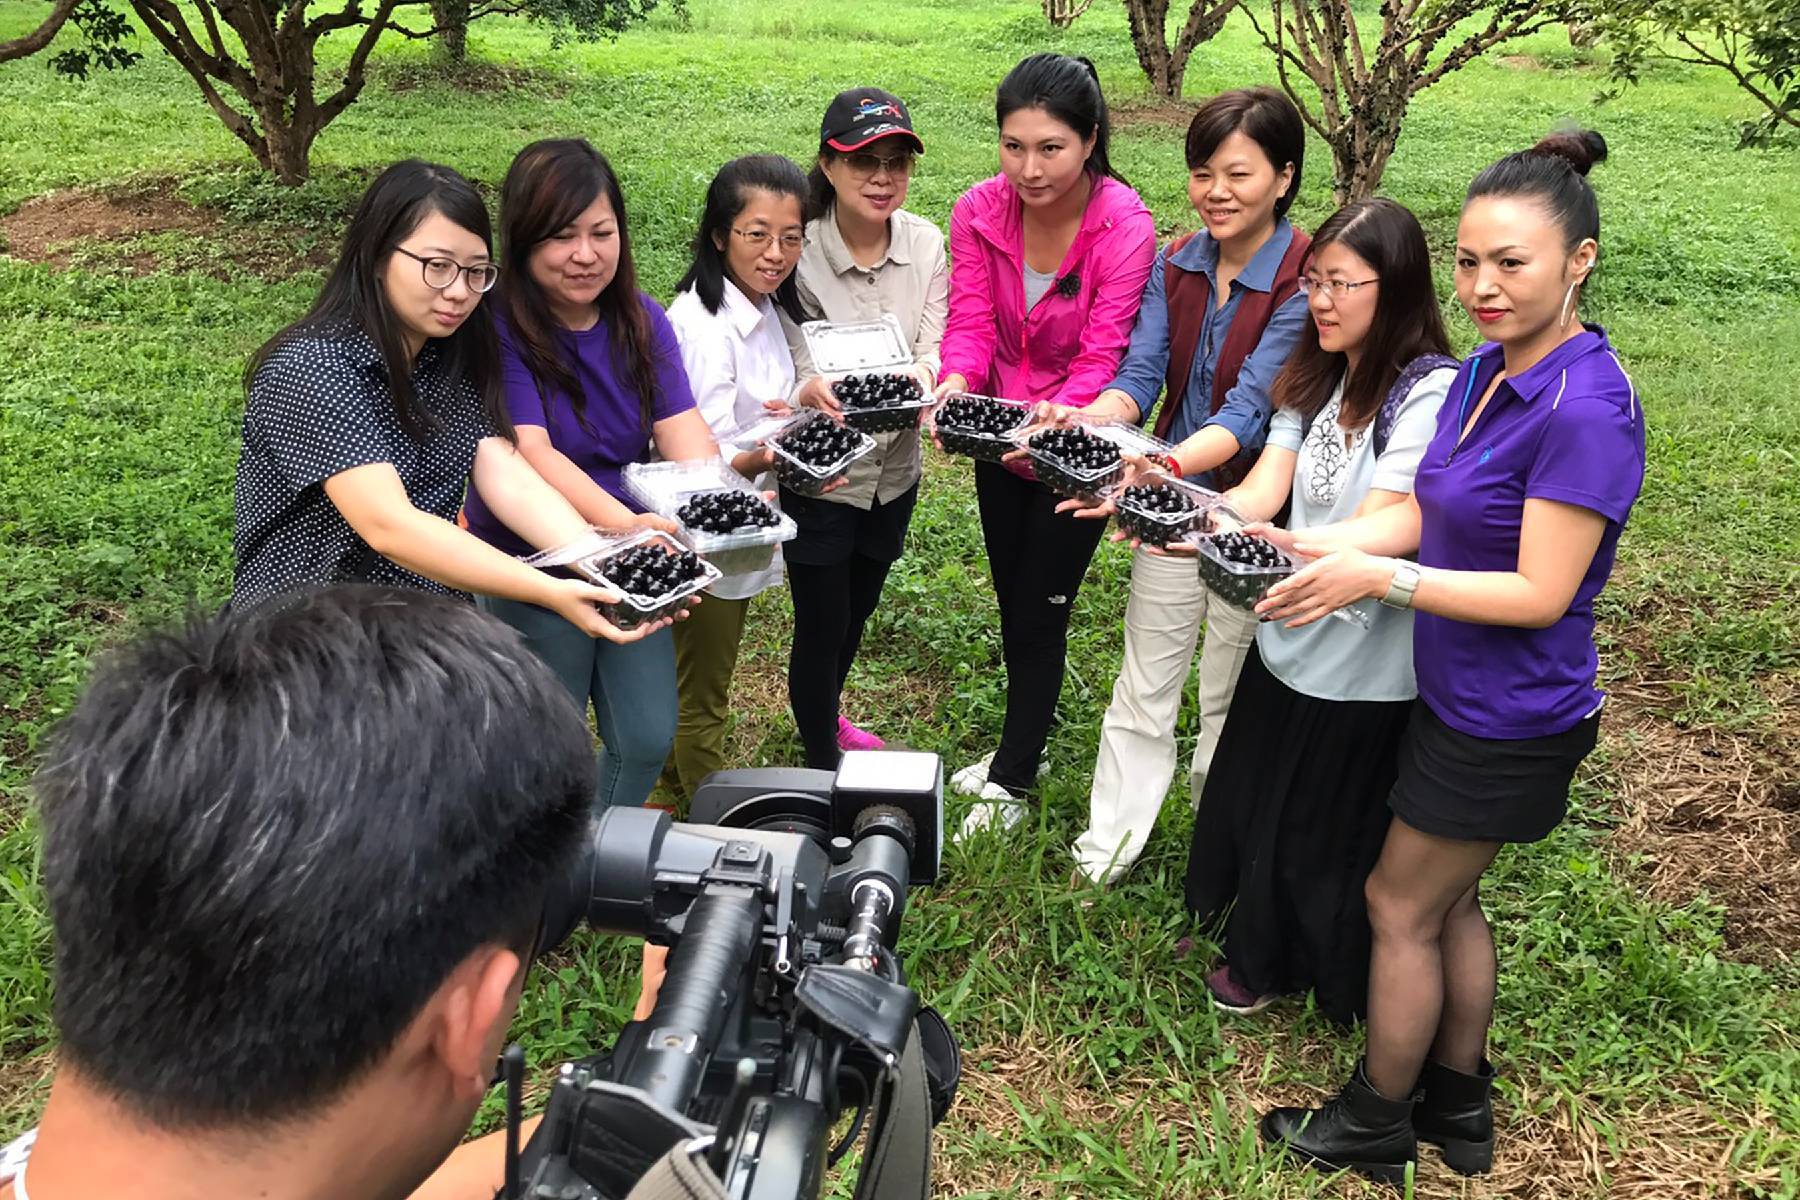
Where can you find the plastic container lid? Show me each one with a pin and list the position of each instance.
(846, 347)
(664, 487)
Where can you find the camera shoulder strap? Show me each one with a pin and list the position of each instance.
(897, 1164)
(678, 1175)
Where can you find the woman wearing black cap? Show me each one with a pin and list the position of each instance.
(865, 256)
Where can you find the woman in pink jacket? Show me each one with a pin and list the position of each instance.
(1048, 261)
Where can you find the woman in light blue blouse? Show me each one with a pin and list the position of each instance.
(1295, 808)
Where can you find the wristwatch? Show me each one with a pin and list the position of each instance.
(1404, 584)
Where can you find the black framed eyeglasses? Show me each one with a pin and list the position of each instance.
(439, 272)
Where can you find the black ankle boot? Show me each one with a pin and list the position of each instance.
(1455, 1112)
(1361, 1129)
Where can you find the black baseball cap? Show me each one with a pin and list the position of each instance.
(863, 115)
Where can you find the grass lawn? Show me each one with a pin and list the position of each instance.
(1648, 1031)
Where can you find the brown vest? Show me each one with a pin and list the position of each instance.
(1189, 296)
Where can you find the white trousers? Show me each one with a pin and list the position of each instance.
(1163, 619)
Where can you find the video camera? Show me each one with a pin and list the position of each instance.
(784, 1002)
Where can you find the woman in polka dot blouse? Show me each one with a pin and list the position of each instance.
(367, 418)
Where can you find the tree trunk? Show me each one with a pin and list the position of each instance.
(290, 149)
(452, 19)
(1062, 13)
(1359, 158)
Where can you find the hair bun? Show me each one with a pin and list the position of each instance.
(1580, 148)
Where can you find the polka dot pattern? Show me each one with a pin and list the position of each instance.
(319, 406)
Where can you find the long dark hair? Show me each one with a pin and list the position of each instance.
(1554, 173)
(549, 184)
(726, 197)
(1407, 321)
(400, 198)
(1069, 90)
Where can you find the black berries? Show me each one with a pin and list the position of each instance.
(876, 391)
(880, 403)
(1073, 461)
(818, 444)
(815, 451)
(1249, 551)
(978, 414)
(1239, 567)
(648, 573)
(977, 426)
(725, 511)
(1076, 448)
(1157, 513)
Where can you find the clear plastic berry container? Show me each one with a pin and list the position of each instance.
(1078, 479)
(802, 474)
(1239, 583)
(1139, 516)
(665, 488)
(635, 609)
(858, 356)
(888, 415)
(959, 436)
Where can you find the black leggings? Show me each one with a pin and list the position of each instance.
(835, 569)
(831, 605)
(1037, 557)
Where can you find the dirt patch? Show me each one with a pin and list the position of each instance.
(1521, 62)
(125, 228)
(1153, 112)
(472, 76)
(1709, 812)
(1549, 1149)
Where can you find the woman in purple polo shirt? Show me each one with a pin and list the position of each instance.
(593, 381)
(1515, 515)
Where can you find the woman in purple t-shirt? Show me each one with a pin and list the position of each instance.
(1516, 514)
(593, 381)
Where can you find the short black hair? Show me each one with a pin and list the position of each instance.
(270, 835)
(1266, 117)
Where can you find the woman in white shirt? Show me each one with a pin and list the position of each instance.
(1295, 809)
(737, 360)
(865, 257)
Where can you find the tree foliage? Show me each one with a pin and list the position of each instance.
(103, 31)
(1756, 42)
(580, 20)
(1360, 94)
(1165, 61)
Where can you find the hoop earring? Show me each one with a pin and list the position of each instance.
(1569, 295)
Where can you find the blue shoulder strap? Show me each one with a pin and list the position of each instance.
(1409, 379)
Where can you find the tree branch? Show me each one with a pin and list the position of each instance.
(40, 37)
(1776, 110)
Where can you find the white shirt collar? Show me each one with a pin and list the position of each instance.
(745, 314)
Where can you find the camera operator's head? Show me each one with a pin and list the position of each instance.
(295, 858)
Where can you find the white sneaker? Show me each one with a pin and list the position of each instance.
(997, 811)
(973, 778)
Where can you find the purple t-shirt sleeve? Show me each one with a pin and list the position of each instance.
(1591, 454)
(524, 402)
(673, 393)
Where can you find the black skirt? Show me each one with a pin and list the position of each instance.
(1290, 824)
(1472, 789)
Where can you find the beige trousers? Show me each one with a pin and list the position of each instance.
(1169, 607)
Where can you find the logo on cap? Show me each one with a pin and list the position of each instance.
(878, 108)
